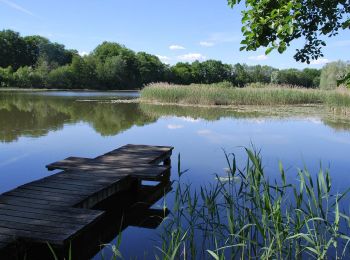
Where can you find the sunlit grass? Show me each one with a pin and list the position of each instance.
(230, 96)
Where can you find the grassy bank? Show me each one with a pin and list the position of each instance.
(223, 94)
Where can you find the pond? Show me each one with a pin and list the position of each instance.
(37, 128)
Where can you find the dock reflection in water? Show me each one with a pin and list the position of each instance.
(128, 208)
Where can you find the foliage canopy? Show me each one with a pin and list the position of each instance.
(274, 24)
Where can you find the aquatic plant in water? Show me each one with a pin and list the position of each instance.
(249, 216)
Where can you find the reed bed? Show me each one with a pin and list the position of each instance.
(248, 216)
(224, 94)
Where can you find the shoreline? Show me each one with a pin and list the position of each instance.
(63, 90)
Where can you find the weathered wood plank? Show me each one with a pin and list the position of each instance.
(75, 213)
(35, 227)
(55, 191)
(52, 193)
(40, 195)
(37, 235)
(79, 183)
(43, 210)
(47, 222)
(15, 200)
(63, 186)
(47, 215)
(67, 185)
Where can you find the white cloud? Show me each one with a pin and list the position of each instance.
(320, 61)
(204, 132)
(206, 44)
(176, 47)
(219, 37)
(191, 57)
(172, 127)
(17, 7)
(164, 59)
(190, 119)
(83, 53)
(258, 57)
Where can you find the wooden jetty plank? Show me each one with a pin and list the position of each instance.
(143, 172)
(91, 178)
(68, 162)
(45, 222)
(80, 183)
(44, 210)
(143, 148)
(14, 200)
(74, 213)
(122, 157)
(38, 227)
(41, 216)
(36, 235)
(104, 162)
(55, 191)
(41, 195)
(67, 184)
(64, 186)
(51, 193)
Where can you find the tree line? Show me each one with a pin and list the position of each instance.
(36, 62)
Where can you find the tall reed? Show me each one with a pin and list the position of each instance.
(222, 94)
(248, 216)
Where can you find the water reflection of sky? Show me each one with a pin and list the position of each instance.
(296, 142)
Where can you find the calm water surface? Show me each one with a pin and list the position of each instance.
(43, 127)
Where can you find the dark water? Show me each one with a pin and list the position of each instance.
(43, 127)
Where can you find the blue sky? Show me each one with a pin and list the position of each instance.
(181, 30)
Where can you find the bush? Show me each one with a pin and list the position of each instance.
(332, 73)
(27, 77)
(62, 77)
(6, 77)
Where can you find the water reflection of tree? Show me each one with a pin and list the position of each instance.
(337, 120)
(35, 115)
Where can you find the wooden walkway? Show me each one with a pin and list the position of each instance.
(57, 208)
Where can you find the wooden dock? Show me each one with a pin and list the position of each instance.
(57, 208)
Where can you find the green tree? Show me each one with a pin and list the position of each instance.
(312, 76)
(182, 73)
(332, 73)
(345, 80)
(27, 77)
(13, 50)
(61, 77)
(151, 69)
(260, 73)
(210, 71)
(6, 77)
(308, 78)
(116, 66)
(241, 75)
(111, 73)
(84, 72)
(275, 24)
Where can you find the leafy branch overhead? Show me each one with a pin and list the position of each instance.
(274, 24)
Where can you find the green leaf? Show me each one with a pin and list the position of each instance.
(268, 50)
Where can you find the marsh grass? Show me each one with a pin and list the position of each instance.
(222, 94)
(249, 216)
